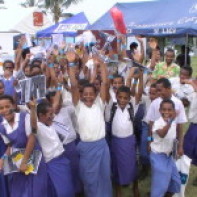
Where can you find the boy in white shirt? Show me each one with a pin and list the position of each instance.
(94, 154)
(164, 91)
(165, 179)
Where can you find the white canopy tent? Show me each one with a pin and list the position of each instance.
(15, 20)
(19, 19)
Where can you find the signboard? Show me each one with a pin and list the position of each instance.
(38, 19)
(70, 27)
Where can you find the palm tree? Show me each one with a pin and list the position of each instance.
(54, 5)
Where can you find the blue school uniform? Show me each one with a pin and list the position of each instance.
(123, 155)
(165, 176)
(59, 172)
(72, 155)
(190, 143)
(8, 86)
(3, 186)
(21, 185)
(95, 168)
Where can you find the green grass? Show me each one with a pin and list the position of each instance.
(144, 186)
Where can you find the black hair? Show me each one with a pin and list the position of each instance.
(8, 62)
(89, 85)
(25, 52)
(34, 66)
(83, 82)
(183, 47)
(115, 76)
(169, 101)
(124, 89)
(36, 60)
(170, 50)
(50, 94)
(188, 69)
(133, 46)
(7, 97)
(165, 82)
(43, 107)
(153, 85)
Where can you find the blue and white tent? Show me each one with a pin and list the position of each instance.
(155, 18)
(67, 27)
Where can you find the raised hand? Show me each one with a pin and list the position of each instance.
(153, 43)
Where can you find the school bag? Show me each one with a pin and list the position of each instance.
(113, 111)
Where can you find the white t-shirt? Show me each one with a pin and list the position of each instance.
(154, 114)
(91, 121)
(10, 129)
(49, 141)
(163, 145)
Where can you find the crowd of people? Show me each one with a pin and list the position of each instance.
(107, 119)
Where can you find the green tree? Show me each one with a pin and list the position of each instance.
(54, 5)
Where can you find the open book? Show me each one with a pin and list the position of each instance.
(12, 163)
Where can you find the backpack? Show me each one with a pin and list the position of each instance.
(114, 108)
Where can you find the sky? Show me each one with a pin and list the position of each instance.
(93, 9)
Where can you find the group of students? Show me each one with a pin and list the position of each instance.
(92, 124)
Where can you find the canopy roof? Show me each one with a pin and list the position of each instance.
(68, 27)
(155, 18)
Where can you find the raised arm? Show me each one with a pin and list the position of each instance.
(71, 58)
(140, 57)
(138, 94)
(104, 92)
(31, 138)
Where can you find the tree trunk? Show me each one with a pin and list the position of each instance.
(56, 11)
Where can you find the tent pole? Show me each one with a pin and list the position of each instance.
(186, 45)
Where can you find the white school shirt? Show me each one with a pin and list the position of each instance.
(65, 123)
(181, 90)
(146, 101)
(163, 145)
(10, 129)
(192, 113)
(122, 126)
(49, 141)
(66, 97)
(91, 121)
(154, 114)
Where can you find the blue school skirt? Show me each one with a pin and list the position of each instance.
(94, 167)
(165, 176)
(72, 155)
(123, 155)
(59, 172)
(190, 143)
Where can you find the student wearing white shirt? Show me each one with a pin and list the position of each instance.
(123, 143)
(190, 138)
(16, 130)
(65, 124)
(93, 149)
(58, 166)
(165, 180)
(180, 89)
(144, 154)
(164, 91)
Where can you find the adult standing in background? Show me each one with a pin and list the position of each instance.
(168, 68)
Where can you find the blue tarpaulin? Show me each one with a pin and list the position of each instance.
(67, 27)
(154, 18)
